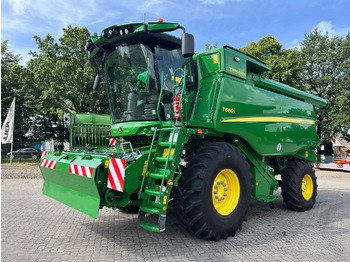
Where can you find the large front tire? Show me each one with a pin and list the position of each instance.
(214, 192)
(299, 186)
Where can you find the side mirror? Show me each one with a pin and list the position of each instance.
(96, 83)
(187, 45)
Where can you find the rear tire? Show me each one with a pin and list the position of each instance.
(214, 192)
(299, 186)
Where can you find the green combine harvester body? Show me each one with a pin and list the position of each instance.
(205, 132)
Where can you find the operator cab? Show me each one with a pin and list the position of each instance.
(133, 69)
(133, 75)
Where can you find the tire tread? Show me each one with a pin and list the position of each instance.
(187, 196)
(292, 176)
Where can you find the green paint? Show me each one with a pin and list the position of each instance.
(162, 27)
(263, 176)
(133, 128)
(281, 115)
(73, 190)
(223, 97)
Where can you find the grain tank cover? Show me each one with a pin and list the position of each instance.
(250, 68)
(273, 117)
(239, 63)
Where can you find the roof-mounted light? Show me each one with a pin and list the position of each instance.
(114, 32)
(89, 46)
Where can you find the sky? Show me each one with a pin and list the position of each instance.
(227, 22)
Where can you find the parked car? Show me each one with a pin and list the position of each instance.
(26, 153)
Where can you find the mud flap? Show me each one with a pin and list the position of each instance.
(72, 182)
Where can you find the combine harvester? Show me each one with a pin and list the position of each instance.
(203, 132)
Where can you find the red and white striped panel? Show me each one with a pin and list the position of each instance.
(43, 153)
(116, 174)
(112, 141)
(81, 170)
(48, 163)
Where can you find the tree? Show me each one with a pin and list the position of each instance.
(14, 81)
(8, 60)
(283, 62)
(209, 46)
(321, 67)
(63, 80)
(325, 73)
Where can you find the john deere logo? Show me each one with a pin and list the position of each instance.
(120, 129)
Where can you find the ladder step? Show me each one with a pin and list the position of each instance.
(159, 174)
(163, 159)
(167, 129)
(156, 205)
(151, 210)
(166, 144)
(149, 226)
(152, 192)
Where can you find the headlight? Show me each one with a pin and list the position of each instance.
(89, 46)
(115, 32)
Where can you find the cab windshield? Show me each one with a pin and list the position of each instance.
(131, 83)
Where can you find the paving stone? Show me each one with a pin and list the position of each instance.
(37, 228)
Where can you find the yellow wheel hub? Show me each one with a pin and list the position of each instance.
(307, 187)
(226, 192)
